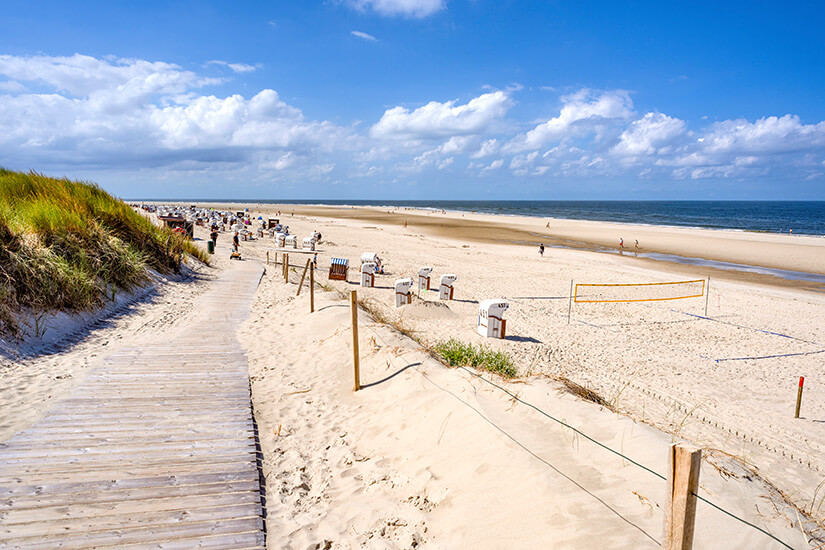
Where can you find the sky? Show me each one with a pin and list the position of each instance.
(418, 99)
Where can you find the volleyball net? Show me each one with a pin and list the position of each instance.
(594, 293)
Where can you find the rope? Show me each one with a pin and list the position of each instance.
(542, 460)
(598, 443)
(772, 356)
(746, 522)
(747, 327)
(566, 425)
(623, 456)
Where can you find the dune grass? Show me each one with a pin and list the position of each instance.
(66, 245)
(465, 354)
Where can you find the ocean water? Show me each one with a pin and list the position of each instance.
(804, 218)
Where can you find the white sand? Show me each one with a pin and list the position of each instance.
(432, 457)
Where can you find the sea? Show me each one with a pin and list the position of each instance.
(799, 217)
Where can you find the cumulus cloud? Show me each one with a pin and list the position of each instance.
(767, 135)
(124, 112)
(488, 148)
(584, 111)
(406, 8)
(364, 35)
(495, 165)
(81, 75)
(438, 120)
(651, 133)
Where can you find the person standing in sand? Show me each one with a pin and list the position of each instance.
(621, 243)
(214, 235)
(235, 242)
(541, 250)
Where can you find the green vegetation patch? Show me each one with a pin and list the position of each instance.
(464, 354)
(66, 245)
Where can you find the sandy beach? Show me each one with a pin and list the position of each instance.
(432, 457)
(726, 381)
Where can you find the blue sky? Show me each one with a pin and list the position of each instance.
(418, 99)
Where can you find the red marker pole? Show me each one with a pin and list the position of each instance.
(799, 396)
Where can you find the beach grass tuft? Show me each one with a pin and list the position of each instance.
(458, 353)
(67, 245)
(584, 393)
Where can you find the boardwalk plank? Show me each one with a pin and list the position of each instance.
(155, 448)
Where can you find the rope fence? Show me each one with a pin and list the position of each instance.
(624, 457)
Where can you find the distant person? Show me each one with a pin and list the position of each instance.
(548, 225)
(541, 250)
(235, 242)
(214, 235)
(621, 243)
(636, 245)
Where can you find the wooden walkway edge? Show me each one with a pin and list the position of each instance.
(156, 449)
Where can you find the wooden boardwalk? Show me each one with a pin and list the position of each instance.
(156, 449)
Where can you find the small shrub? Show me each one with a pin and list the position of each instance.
(464, 354)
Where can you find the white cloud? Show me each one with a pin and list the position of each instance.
(11, 86)
(769, 135)
(364, 35)
(445, 163)
(81, 75)
(488, 148)
(495, 165)
(438, 120)
(582, 112)
(649, 134)
(132, 113)
(235, 67)
(406, 8)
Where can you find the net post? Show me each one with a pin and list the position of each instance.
(570, 303)
(707, 297)
(683, 466)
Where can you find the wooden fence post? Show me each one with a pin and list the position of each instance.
(683, 465)
(303, 275)
(353, 301)
(312, 288)
(267, 257)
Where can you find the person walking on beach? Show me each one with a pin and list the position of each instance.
(541, 250)
(235, 242)
(214, 235)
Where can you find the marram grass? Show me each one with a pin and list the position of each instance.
(66, 245)
(463, 354)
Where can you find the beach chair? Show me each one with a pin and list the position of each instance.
(424, 278)
(338, 269)
(402, 292)
(368, 275)
(491, 322)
